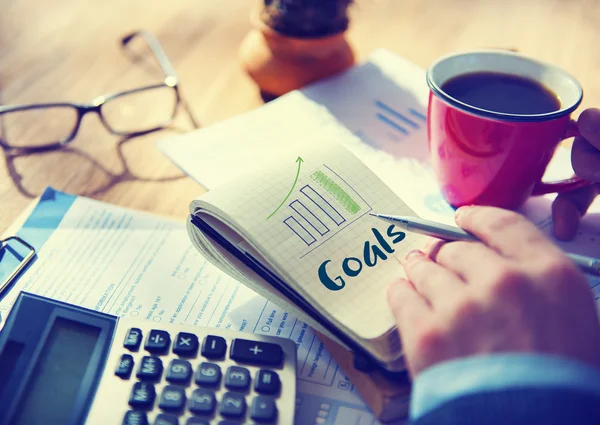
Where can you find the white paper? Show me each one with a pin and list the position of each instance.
(383, 102)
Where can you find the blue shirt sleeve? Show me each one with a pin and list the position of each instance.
(449, 380)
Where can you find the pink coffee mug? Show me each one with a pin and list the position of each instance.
(484, 157)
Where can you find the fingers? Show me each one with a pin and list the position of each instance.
(432, 281)
(589, 126)
(409, 308)
(413, 314)
(569, 207)
(471, 261)
(565, 217)
(508, 232)
(585, 159)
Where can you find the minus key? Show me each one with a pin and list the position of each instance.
(214, 347)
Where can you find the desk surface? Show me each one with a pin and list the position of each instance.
(70, 52)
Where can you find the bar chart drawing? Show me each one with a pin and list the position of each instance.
(308, 211)
(321, 203)
(312, 219)
(299, 230)
(323, 207)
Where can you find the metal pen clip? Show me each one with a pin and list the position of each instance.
(22, 264)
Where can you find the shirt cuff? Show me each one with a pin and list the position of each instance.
(452, 379)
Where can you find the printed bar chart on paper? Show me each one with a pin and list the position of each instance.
(402, 122)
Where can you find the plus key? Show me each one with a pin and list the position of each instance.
(254, 352)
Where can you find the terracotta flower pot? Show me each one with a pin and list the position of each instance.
(279, 63)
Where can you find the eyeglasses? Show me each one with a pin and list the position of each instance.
(46, 126)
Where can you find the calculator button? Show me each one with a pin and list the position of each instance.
(197, 421)
(267, 382)
(202, 402)
(237, 378)
(142, 395)
(134, 417)
(208, 374)
(263, 409)
(133, 339)
(214, 347)
(172, 398)
(255, 352)
(125, 366)
(157, 341)
(179, 371)
(162, 419)
(150, 369)
(233, 405)
(186, 344)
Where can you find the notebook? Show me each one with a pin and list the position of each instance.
(297, 229)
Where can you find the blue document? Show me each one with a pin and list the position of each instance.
(135, 264)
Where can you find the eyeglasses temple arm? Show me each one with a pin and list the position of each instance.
(157, 50)
(189, 112)
(163, 61)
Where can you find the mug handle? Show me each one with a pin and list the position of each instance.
(543, 188)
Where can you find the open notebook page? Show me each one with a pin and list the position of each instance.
(230, 264)
(310, 218)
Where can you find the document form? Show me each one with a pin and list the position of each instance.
(133, 264)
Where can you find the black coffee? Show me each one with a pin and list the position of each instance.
(504, 93)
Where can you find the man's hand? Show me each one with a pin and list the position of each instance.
(514, 292)
(569, 207)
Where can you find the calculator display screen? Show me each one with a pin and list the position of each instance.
(53, 387)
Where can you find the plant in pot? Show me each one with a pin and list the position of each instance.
(296, 42)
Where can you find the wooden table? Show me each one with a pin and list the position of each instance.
(68, 50)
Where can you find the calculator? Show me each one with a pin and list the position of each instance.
(62, 364)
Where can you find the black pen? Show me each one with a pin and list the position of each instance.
(445, 232)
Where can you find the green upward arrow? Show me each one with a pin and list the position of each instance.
(299, 160)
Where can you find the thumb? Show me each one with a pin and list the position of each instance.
(585, 159)
(569, 207)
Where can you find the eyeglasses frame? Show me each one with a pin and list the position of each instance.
(171, 80)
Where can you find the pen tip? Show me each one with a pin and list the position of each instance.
(374, 215)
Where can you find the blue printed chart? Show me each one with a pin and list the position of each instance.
(401, 122)
(396, 124)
